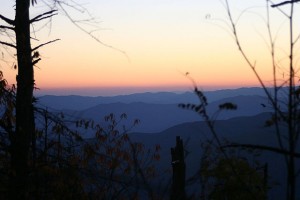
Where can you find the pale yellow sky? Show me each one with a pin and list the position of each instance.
(162, 38)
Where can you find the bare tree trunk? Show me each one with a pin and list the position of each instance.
(178, 164)
(291, 193)
(24, 108)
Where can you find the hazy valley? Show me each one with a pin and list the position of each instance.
(161, 120)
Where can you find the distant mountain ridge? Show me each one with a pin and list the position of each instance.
(76, 102)
(158, 111)
(158, 117)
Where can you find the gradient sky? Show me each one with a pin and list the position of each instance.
(163, 39)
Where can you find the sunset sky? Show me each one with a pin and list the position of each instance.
(163, 39)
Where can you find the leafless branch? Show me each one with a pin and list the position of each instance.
(88, 32)
(275, 84)
(279, 8)
(9, 21)
(39, 46)
(8, 44)
(246, 58)
(45, 15)
(7, 27)
(36, 61)
(284, 3)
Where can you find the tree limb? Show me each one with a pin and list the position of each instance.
(9, 21)
(284, 3)
(8, 44)
(36, 61)
(46, 17)
(43, 16)
(7, 27)
(39, 46)
(262, 147)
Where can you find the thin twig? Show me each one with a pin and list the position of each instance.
(252, 66)
(284, 3)
(91, 35)
(272, 51)
(45, 15)
(39, 46)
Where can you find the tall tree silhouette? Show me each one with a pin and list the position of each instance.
(23, 136)
(25, 128)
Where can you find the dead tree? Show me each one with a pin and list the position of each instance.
(24, 134)
(178, 165)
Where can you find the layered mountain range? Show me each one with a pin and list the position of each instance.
(161, 120)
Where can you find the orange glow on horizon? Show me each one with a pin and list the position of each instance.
(162, 42)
